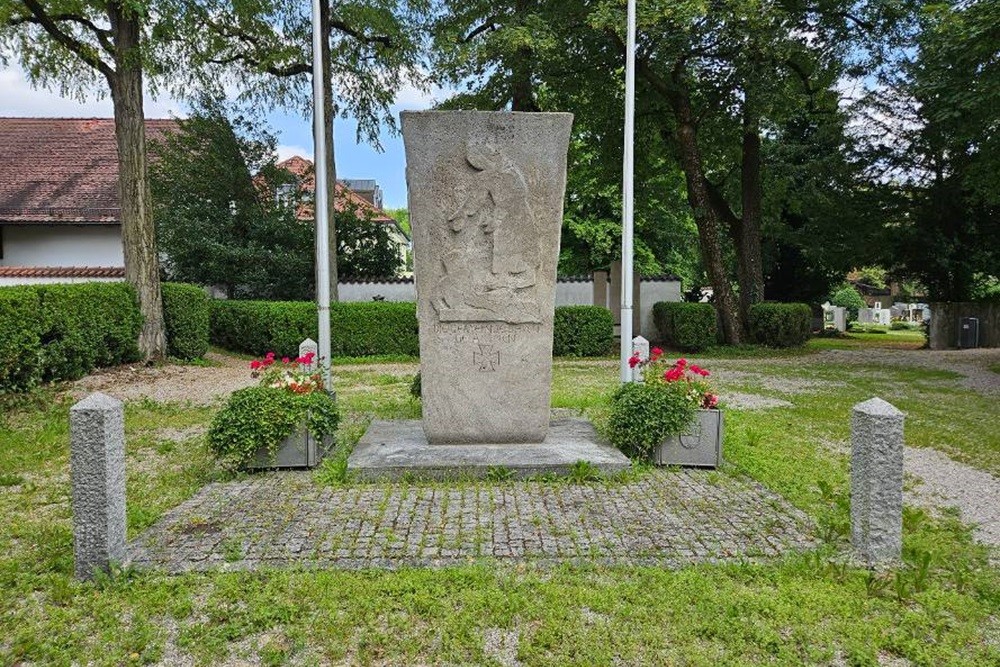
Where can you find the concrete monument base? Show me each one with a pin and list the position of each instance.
(392, 449)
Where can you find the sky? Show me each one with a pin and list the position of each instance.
(18, 98)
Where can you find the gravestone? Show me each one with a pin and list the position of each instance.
(876, 481)
(834, 317)
(640, 348)
(485, 201)
(97, 473)
(305, 347)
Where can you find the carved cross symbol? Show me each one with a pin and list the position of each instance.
(485, 358)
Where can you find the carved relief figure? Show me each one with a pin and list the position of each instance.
(496, 213)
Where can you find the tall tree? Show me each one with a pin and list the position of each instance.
(72, 45)
(370, 51)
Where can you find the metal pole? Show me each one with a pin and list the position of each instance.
(627, 197)
(321, 199)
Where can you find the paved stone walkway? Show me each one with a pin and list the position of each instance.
(284, 519)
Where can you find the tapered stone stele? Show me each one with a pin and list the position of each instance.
(485, 201)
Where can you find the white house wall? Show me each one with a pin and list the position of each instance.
(62, 245)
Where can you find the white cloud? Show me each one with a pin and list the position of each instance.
(21, 99)
(286, 151)
(414, 98)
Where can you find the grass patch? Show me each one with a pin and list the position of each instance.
(898, 339)
(938, 608)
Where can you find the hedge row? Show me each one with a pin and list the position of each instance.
(62, 332)
(186, 314)
(686, 326)
(373, 328)
(780, 324)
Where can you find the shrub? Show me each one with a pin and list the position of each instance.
(900, 325)
(583, 331)
(357, 329)
(62, 332)
(260, 418)
(686, 326)
(644, 414)
(186, 314)
(780, 324)
(850, 298)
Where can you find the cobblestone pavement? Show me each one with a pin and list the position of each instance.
(284, 519)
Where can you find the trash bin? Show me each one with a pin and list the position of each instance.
(968, 332)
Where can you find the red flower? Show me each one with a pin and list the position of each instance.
(269, 355)
(709, 401)
(673, 374)
(634, 361)
(682, 362)
(698, 370)
(254, 365)
(284, 360)
(656, 353)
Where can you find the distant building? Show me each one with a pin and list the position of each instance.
(367, 200)
(60, 215)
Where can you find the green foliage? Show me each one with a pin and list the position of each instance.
(850, 298)
(62, 332)
(357, 329)
(186, 314)
(780, 324)
(900, 325)
(582, 331)
(686, 326)
(644, 414)
(258, 419)
(415, 387)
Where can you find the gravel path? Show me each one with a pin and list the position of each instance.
(949, 483)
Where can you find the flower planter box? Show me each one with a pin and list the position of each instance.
(700, 446)
(299, 450)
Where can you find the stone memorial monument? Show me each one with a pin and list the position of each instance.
(485, 200)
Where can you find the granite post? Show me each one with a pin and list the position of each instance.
(640, 348)
(877, 482)
(97, 471)
(485, 200)
(305, 347)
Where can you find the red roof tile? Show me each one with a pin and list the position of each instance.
(303, 168)
(62, 272)
(62, 169)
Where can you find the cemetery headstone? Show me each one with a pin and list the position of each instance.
(97, 473)
(640, 348)
(485, 200)
(876, 481)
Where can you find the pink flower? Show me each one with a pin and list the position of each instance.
(284, 360)
(255, 365)
(633, 361)
(673, 374)
(655, 353)
(682, 362)
(269, 355)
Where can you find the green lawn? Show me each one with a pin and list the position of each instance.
(940, 608)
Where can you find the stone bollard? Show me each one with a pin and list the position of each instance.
(305, 347)
(640, 348)
(97, 470)
(877, 482)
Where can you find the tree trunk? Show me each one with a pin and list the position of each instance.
(331, 164)
(522, 94)
(748, 255)
(142, 265)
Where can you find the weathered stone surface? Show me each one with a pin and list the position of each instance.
(485, 200)
(391, 449)
(640, 348)
(877, 481)
(97, 471)
(667, 518)
(305, 347)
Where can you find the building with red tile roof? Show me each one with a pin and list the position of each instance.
(60, 215)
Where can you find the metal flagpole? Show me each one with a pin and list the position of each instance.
(627, 197)
(321, 200)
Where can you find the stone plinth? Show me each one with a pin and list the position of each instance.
(392, 449)
(97, 471)
(877, 481)
(485, 201)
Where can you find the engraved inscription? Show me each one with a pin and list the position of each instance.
(490, 267)
(486, 359)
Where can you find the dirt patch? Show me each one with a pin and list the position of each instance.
(740, 401)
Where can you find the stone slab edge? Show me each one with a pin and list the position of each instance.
(391, 450)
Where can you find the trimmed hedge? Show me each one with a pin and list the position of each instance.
(780, 324)
(357, 329)
(583, 331)
(686, 326)
(373, 328)
(186, 314)
(62, 332)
